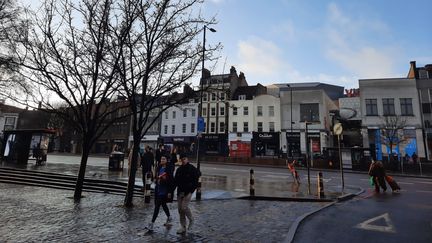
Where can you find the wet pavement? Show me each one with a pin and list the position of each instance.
(221, 183)
(33, 214)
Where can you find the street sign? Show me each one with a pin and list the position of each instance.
(337, 129)
(200, 124)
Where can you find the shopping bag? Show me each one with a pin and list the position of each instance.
(371, 181)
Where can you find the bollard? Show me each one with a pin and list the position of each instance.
(320, 185)
(252, 182)
(198, 190)
(147, 188)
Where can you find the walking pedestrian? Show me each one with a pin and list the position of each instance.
(186, 181)
(164, 181)
(377, 171)
(293, 171)
(159, 152)
(147, 162)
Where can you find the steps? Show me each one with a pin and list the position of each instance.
(59, 181)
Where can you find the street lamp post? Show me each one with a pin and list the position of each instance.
(291, 125)
(198, 192)
(307, 153)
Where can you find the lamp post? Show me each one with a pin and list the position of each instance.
(291, 125)
(198, 192)
(307, 154)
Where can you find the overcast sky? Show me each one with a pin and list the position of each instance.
(336, 42)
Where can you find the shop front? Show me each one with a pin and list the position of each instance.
(265, 144)
(314, 140)
(293, 143)
(185, 144)
(240, 145)
(147, 140)
(214, 144)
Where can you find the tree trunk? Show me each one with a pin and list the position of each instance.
(80, 180)
(132, 172)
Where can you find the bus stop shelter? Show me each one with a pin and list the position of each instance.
(19, 145)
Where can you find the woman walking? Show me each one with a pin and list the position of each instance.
(377, 171)
(164, 179)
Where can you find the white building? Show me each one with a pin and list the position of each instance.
(179, 125)
(301, 103)
(397, 98)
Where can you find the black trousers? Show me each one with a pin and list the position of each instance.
(160, 201)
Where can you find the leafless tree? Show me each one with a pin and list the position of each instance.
(392, 131)
(162, 53)
(70, 61)
(12, 27)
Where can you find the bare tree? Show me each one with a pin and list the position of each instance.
(162, 53)
(12, 27)
(70, 58)
(392, 131)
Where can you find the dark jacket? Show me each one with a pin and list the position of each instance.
(147, 161)
(186, 179)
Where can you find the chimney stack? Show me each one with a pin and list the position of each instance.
(413, 70)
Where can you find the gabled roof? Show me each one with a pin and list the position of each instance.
(9, 109)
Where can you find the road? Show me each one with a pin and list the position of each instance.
(371, 217)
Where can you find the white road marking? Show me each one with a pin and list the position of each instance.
(425, 182)
(386, 229)
(405, 183)
(421, 191)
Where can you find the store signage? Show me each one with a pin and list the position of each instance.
(265, 135)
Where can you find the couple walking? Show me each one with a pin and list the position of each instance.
(185, 180)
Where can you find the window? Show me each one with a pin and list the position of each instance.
(204, 111)
(271, 111)
(245, 127)
(172, 129)
(192, 127)
(193, 112)
(213, 111)
(213, 96)
(260, 126)
(9, 123)
(184, 113)
(222, 96)
(166, 129)
(406, 107)
(205, 97)
(271, 126)
(222, 111)
(212, 127)
(234, 126)
(371, 107)
(174, 114)
(183, 128)
(309, 112)
(234, 111)
(166, 114)
(259, 111)
(388, 107)
(245, 111)
(205, 126)
(222, 127)
(242, 97)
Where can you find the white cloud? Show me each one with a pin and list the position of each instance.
(261, 61)
(348, 45)
(259, 57)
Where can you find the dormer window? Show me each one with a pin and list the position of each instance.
(242, 97)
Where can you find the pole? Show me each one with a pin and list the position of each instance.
(198, 157)
(340, 164)
(251, 183)
(307, 155)
(291, 118)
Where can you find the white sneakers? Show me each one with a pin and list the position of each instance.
(182, 230)
(168, 222)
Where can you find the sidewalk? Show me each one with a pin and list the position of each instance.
(36, 214)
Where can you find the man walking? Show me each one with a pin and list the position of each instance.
(186, 181)
(147, 161)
